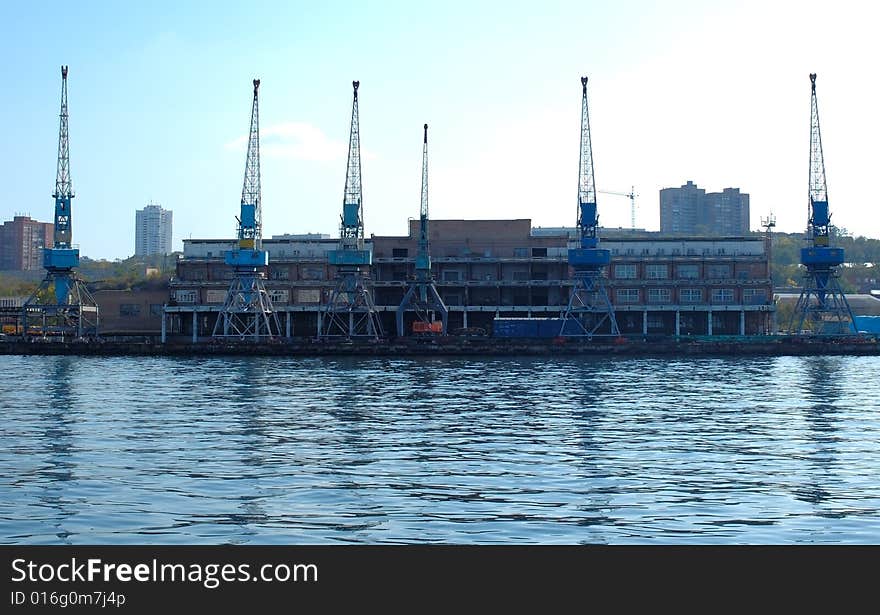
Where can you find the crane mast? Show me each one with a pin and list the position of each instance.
(247, 312)
(822, 307)
(350, 311)
(421, 295)
(589, 312)
(62, 304)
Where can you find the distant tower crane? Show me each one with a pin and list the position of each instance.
(822, 303)
(421, 295)
(62, 305)
(247, 312)
(589, 312)
(350, 311)
(631, 195)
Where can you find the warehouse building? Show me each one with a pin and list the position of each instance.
(501, 268)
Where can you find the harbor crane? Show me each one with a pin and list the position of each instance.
(61, 305)
(350, 312)
(589, 312)
(822, 304)
(631, 195)
(247, 312)
(421, 294)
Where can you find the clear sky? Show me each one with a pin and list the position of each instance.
(160, 94)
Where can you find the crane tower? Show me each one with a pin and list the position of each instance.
(589, 311)
(350, 311)
(822, 304)
(247, 312)
(62, 305)
(421, 294)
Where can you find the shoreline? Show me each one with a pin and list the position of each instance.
(475, 347)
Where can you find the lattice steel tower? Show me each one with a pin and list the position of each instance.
(421, 294)
(350, 312)
(822, 308)
(62, 305)
(589, 311)
(247, 312)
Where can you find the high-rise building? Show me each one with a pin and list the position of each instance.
(152, 231)
(690, 210)
(21, 243)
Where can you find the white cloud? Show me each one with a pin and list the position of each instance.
(299, 141)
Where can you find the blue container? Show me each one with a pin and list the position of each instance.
(526, 327)
(868, 324)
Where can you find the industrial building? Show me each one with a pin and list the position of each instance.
(690, 210)
(486, 268)
(22, 241)
(152, 231)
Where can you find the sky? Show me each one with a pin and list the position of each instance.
(160, 94)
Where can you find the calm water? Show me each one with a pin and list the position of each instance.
(268, 450)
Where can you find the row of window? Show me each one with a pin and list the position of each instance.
(690, 295)
(660, 271)
(134, 309)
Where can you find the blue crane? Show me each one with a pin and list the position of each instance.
(350, 312)
(62, 304)
(247, 312)
(421, 295)
(822, 304)
(589, 311)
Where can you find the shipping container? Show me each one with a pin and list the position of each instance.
(868, 324)
(427, 327)
(526, 327)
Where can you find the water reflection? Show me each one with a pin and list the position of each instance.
(822, 392)
(56, 441)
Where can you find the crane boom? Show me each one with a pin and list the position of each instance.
(63, 185)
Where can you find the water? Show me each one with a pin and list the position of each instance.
(531, 450)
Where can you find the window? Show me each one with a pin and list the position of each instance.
(539, 252)
(722, 295)
(520, 276)
(659, 295)
(691, 295)
(520, 252)
(279, 296)
(312, 273)
(451, 276)
(718, 272)
(156, 309)
(627, 295)
(129, 309)
(625, 271)
(656, 271)
(688, 272)
(185, 296)
(754, 296)
(282, 273)
(400, 252)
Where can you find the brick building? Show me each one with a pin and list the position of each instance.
(489, 268)
(21, 243)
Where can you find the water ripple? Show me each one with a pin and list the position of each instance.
(458, 450)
